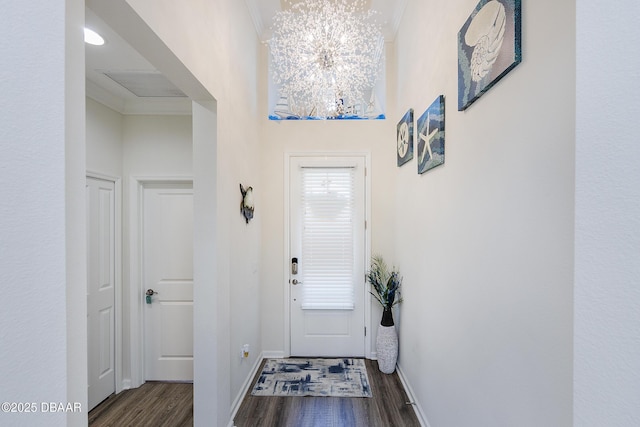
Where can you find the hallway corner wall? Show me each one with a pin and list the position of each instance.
(217, 43)
(485, 241)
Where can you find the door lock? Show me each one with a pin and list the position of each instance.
(295, 282)
(149, 294)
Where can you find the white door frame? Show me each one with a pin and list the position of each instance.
(117, 197)
(287, 255)
(137, 186)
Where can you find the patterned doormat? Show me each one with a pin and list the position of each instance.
(313, 377)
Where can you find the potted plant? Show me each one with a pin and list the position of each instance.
(385, 285)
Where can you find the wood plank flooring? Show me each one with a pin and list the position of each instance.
(153, 404)
(171, 405)
(388, 407)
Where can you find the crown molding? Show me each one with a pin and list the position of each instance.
(397, 17)
(104, 97)
(141, 106)
(255, 17)
(159, 107)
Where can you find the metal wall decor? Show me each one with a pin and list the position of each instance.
(246, 205)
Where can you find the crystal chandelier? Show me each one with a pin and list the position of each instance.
(326, 55)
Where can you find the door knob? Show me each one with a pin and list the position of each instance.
(295, 282)
(149, 294)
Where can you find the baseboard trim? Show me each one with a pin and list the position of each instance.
(416, 406)
(245, 387)
(273, 354)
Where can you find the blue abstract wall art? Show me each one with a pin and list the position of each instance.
(430, 140)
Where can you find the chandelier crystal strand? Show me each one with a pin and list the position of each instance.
(325, 55)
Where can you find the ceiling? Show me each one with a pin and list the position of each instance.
(117, 60)
(262, 12)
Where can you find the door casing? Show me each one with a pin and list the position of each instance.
(287, 253)
(137, 186)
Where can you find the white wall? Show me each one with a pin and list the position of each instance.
(41, 219)
(217, 43)
(33, 182)
(376, 137)
(485, 242)
(152, 146)
(75, 208)
(607, 257)
(125, 146)
(157, 146)
(205, 249)
(104, 139)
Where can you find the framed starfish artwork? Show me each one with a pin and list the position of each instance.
(430, 138)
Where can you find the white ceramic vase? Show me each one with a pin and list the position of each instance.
(387, 348)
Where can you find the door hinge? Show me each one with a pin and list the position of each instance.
(365, 331)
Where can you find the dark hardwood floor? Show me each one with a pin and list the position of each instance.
(153, 404)
(388, 407)
(171, 405)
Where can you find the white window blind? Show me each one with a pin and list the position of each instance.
(328, 207)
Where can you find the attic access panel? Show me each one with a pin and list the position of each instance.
(145, 84)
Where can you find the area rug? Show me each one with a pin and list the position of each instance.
(313, 377)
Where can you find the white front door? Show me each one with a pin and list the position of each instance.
(327, 246)
(100, 201)
(168, 273)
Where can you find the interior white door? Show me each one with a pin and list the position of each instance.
(100, 199)
(327, 246)
(168, 275)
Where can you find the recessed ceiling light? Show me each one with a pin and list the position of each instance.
(93, 38)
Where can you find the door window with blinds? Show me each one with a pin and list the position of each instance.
(327, 219)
